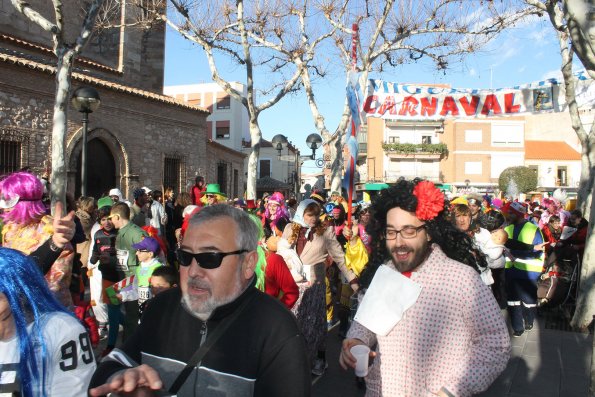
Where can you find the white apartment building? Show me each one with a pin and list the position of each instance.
(228, 122)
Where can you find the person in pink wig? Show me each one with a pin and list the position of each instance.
(27, 228)
(276, 215)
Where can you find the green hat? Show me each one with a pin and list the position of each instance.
(104, 202)
(213, 188)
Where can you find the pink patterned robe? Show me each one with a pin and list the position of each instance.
(27, 238)
(453, 336)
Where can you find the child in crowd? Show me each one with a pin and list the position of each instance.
(147, 251)
(104, 255)
(162, 279)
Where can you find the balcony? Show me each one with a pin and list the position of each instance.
(362, 140)
(416, 150)
(393, 177)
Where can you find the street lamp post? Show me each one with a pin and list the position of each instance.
(85, 100)
(313, 141)
(279, 141)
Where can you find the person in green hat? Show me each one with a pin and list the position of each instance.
(213, 195)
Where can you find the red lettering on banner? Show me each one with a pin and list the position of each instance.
(491, 103)
(449, 105)
(470, 108)
(509, 106)
(427, 108)
(368, 104)
(408, 106)
(389, 104)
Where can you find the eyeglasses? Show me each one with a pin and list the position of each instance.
(407, 232)
(209, 195)
(143, 251)
(206, 260)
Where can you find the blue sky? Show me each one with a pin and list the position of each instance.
(520, 55)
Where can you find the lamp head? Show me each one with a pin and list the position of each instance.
(313, 141)
(86, 99)
(279, 141)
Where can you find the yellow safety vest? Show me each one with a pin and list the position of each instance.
(526, 236)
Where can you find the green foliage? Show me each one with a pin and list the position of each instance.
(416, 148)
(525, 180)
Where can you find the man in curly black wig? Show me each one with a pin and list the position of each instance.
(450, 338)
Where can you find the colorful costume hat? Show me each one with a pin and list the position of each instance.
(213, 188)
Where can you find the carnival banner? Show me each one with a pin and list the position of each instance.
(415, 102)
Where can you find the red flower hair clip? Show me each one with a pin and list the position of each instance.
(430, 200)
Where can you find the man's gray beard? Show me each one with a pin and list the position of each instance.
(208, 307)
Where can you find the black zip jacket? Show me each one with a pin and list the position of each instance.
(104, 251)
(261, 354)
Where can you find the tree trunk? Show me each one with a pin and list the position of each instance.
(255, 136)
(587, 182)
(585, 305)
(59, 126)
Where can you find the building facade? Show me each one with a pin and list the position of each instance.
(276, 171)
(137, 137)
(227, 124)
(471, 152)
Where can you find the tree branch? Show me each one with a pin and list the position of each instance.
(24, 8)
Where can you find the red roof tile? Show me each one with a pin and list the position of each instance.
(22, 60)
(550, 150)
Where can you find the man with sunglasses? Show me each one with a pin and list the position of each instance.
(431, 320)
(260, 351)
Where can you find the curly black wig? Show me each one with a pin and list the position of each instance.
(455, 244)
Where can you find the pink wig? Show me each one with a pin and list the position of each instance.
(29, 189)
(282, 212)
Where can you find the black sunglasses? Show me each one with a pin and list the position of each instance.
(206, 260)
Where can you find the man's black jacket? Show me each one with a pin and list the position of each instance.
(261, 354)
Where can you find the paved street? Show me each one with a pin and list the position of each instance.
(544, 363)
(336, 381)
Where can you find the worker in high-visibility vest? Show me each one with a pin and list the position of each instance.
(523, 266)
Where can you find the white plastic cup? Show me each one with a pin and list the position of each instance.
(362, 355)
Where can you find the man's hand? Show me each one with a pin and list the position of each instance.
(64, 227)
(138, 382)
(346, 359)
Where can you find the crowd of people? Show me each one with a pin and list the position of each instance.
(235, 297)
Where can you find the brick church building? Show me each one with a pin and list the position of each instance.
(137, 137)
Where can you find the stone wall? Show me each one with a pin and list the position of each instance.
(139, 131)
(132, 55)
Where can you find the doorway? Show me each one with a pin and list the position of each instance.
(101, 170)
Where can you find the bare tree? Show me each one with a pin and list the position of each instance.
(66, 50)
(571, 29)
(394, 33)
(227, 29)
